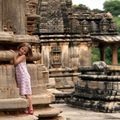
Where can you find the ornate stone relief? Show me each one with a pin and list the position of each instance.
(55, 56)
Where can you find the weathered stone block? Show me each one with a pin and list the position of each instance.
(13, 103)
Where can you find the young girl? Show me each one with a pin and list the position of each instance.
(22, 75)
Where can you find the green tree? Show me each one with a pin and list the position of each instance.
(119, 55)
(95, 54)
(80, 7)
(112, 6)
(117, 21)
(97, 11)
(108, 55)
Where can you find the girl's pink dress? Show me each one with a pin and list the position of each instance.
(23, 79)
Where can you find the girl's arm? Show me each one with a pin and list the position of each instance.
(18, 59)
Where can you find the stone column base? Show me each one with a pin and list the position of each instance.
(13, 103)
(44, 98)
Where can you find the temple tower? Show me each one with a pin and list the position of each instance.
(61, 47)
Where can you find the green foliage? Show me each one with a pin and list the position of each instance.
(108, 55)
(112, 6)
(95, 54)
(80, 7)
(117, 21)
(97, 11)
(119, 56)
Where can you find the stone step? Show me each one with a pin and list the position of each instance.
(47, 112)
(13, 103)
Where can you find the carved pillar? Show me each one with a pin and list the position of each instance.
(0, 15)
(114, 55)
(43, 16)
(14, 15)
(73, 54)
(65, 55)
(102, 53)
(31, 16)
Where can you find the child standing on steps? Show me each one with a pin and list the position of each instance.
(22, 75)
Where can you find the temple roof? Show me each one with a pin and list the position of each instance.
(106, 38)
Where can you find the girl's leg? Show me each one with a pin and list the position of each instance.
(30, 106)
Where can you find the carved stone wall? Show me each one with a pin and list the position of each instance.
(65, 52)
(62, 55)
(55, 20)
(53, 16)
(31, 16)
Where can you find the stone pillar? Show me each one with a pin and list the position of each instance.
(39, 79)
(9, 93)
(43, 16)
(0, 15)
(65, 54)
(85, 54)
(114, 55)
(45, 55)
(31, 16)
(74, 55)
(14, 15)
(102, 53)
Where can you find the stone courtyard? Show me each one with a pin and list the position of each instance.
(69, 113)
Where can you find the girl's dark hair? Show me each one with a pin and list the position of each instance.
(29, 53)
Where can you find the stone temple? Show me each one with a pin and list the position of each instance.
(67, 38)
(62, 42)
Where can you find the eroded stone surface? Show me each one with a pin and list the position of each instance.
(70, 113)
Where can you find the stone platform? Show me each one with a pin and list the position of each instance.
(48, 113)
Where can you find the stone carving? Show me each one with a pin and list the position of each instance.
(31, 15)
(55, 56)
(93, 27)
(85, 27)
(55, 20)
(31, 7)
(8, 26)
(112, 27)
(104, 25)
(75, 25)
